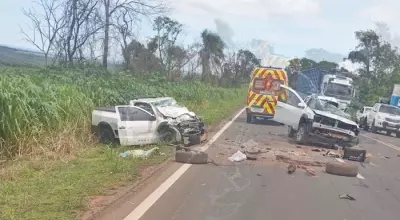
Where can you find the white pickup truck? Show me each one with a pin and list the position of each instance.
(315, 120)
(148, 121)
(383, 117)
(132, 125)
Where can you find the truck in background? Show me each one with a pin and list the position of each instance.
(325, 83)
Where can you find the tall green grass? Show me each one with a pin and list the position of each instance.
(49, 110)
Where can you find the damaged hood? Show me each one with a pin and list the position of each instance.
(337, 117)
(174, 111)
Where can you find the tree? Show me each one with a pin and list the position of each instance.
(47, 25)
(133, 8)
(211, 54)
(167, 32)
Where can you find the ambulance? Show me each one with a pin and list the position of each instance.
(264, 92)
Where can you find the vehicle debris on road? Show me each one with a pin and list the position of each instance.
(347, 196)
(139, 153)
(237, 157)
(291, 168)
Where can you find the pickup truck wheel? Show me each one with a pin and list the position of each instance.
(167, 135)
(291, 132)
(301, 134)
(341, 169)
(373, 128)
(389, 133)
(106, 135)
(398, 134)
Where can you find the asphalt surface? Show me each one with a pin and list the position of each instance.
(263, 190)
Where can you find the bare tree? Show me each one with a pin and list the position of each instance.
(83, 22)
(46, 27)
(124, 24)
(132, 7)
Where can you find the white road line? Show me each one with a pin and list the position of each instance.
(359, 176)
(140, 210)
(381, 142)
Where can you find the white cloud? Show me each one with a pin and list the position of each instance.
(250, 9)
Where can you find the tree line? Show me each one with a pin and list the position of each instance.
(379, 62)
(71, 32)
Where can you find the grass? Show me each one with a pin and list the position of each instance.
(55, 165)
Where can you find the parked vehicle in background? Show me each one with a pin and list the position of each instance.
(315, 120)
(383, 117)
(264, 90)
(131, 125)
(361, 115)
(325, 83)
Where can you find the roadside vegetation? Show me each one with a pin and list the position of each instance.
(51, 167)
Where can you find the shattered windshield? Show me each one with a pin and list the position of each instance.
(339, 91)
(323, 105)
(389, 109)
(166, 103)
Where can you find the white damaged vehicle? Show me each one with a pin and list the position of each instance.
(176, 115)
(131, 125)
(315, 120)
(148, 121)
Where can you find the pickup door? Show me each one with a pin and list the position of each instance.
(289, 111)
(136, 126)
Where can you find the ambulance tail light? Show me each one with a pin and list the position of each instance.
(259, 84)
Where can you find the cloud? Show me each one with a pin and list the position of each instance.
(250, 9)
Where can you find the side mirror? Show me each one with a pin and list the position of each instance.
(152, 118)
(301, 105)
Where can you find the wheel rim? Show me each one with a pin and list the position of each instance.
(300, 133)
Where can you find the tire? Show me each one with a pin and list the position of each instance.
(398, 134)
(192, 157)
(373, 128)
(106, 135)
(301, 134)
(168, 135)
(249, 118)
(389, 133)
(291, 132)
(341, 169)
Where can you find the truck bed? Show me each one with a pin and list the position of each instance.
(107, 109)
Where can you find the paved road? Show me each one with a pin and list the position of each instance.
(263, 190)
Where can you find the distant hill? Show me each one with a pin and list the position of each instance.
(320, 54)
(20, 57)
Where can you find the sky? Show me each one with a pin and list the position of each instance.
(290, 26)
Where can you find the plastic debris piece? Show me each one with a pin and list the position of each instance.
(346, 196)
(237, 157)
(138, 153)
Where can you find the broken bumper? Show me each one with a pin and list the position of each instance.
(329, 135)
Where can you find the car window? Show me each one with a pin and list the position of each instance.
(289, 97)
(133, 114)
(389, 109)
(145, 106)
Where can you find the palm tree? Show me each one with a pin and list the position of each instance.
(211, 54)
